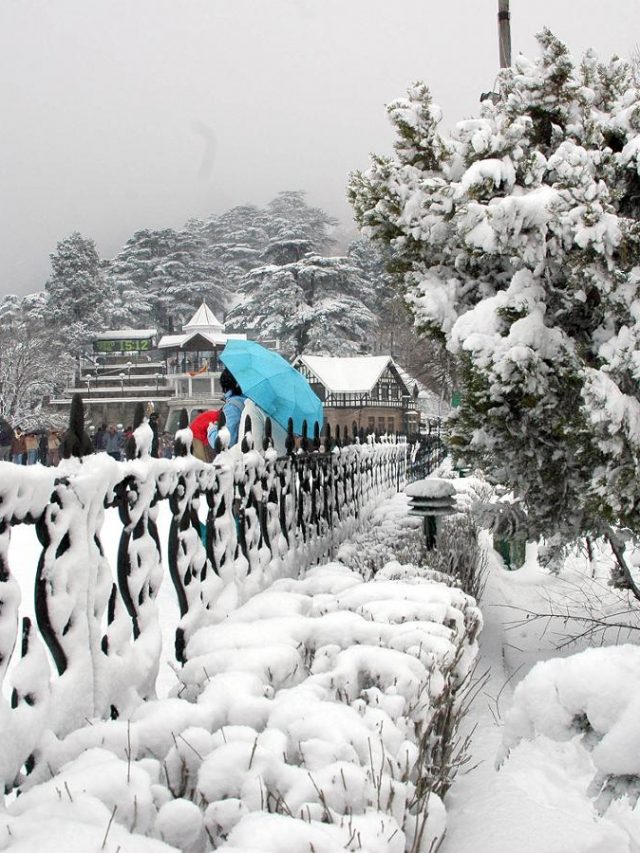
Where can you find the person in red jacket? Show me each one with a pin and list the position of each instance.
(199, 426)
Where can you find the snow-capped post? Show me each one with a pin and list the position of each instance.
(190, 565)
(222, 421)
(140, 570)
(76, 441)
(10, 597)
(180, 446)
(303, 477)
(247, 440)
(327, 438)
(130, 448)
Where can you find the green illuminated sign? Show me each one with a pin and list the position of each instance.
(119, 345)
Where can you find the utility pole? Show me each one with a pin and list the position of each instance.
(504, 33)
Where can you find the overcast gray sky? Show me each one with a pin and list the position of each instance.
(125, 114)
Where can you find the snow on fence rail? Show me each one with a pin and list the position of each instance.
(95, 646)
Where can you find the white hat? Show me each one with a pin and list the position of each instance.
(119, 426)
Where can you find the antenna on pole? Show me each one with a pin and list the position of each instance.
(504, 33)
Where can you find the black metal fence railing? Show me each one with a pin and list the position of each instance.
(235, 525)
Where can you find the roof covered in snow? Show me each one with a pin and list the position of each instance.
(348, 374)
(213, 337)
(204, 323)
(125, 334)
(203, 319)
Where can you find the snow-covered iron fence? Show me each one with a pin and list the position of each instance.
(236, 525)
(426, 454)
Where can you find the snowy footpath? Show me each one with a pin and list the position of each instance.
(543, 751)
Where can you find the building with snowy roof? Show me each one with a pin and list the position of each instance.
(362, 392)
(131, 366)
(191, 357)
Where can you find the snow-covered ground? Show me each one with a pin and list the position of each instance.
(555, 732)
(532, 788)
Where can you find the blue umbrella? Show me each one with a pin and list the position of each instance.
(273, 384)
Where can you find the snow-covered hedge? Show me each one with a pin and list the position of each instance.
(312, 718)
(95, 647)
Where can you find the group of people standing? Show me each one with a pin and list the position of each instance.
(43, 445)
(112, 439)
(26, 447)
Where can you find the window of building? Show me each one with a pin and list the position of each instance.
(381, 425)
(385, 392)
(371, 425)
(391, 424)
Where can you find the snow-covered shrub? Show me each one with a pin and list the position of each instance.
(317, 714)
(395, 544)
(591, 699)
(457, 553)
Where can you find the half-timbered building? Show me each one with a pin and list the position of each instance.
(361, 392)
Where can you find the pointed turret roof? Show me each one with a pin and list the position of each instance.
(204, 319)
(204, 323)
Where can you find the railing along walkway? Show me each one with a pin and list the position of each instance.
(237, 524)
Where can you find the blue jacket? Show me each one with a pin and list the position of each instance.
(232, 412)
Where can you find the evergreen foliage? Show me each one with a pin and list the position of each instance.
(161, 277)
(317, 305)
(34, 362)
(75, 291)
(517, 242)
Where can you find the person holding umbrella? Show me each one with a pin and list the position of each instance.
(278, 389)
(232, 409)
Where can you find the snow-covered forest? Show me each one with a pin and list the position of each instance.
(272, 272)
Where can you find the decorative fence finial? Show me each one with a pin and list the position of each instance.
(76, 441)
(180, 447)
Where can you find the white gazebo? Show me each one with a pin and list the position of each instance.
(192, 357)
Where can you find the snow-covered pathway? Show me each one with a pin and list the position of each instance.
(538, 798)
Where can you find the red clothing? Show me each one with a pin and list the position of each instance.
(201, 422)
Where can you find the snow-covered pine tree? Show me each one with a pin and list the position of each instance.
(161, 277)
(424, 358)
(518, 241)
(315, 305)
(75, 291)
(233, 243)
(290, 221)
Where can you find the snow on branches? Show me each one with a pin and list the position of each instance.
(517, 239)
